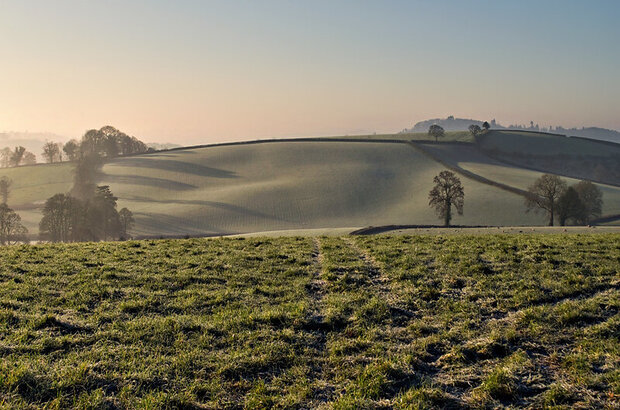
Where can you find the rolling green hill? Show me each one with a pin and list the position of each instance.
(301, 185)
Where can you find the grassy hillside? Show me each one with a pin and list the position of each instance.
(358, 322)
(471, 158)
(574, 157)
(299, 185)
(265, 187)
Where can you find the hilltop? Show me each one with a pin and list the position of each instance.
(461, 124)
(321, 183)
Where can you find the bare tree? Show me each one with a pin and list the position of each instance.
(448, 191)
(592, 200)
(436, 131)
(570, 207)
(17, 156)
(5, 157)
(72, 149)
(544, 195)
(51, 152)
(127, 221)
(11, 229)
(29, 158)
(5, 189)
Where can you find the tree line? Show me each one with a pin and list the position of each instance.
(106, 142)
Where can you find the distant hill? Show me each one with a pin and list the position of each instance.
(461, 124)
(449, 124)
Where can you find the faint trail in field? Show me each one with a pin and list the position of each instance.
(315, 324)
(378, 279)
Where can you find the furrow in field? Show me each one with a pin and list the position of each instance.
(322, 390)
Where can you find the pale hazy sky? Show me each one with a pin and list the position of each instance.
(207, 71)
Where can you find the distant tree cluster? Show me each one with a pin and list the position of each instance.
(16, 157)
(578, 204)
(107, 142)
(69, 219)
(89, 212)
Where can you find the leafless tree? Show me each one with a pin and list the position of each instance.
(435, 131)
(447, 192)
(544, 195)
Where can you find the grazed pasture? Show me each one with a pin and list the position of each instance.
(341, 322)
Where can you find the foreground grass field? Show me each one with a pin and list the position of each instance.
(344, 322)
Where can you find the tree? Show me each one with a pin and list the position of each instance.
(29, 158)
(592, 200)
(11, 228)
(486, 126)
(103, 217)
(72, 150)
(544, 194)
(435, 131)
(569, 206)
(474, 129)
(85, 176)
(127, 221)
(5, 189)
(58, 217)
(448, 191)
(5, 157)
(51, 152)
(17, 156)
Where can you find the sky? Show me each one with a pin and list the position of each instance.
(193, 72)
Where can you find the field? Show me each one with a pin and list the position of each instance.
(340, 322)
(470, 158)
(316, 184)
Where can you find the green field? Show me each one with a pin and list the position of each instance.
(341, 322)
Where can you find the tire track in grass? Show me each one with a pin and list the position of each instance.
(322, 391)
(379, 280)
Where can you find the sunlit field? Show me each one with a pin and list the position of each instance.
(344, 322)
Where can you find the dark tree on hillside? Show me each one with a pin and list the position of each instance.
(51, 152)
(17, 156)
(474, 129)
(11, 229)
(72, 150)
(448, 192)
(544, 194)
(570, 207)
(435, 131)
(5, 189)
(58, 216)
(85, 176)
(486, 126)
(103, 218)
(592, 200)
(127, 221)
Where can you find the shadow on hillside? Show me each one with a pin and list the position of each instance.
(177, 166)
(148, 181)
(214, 204)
